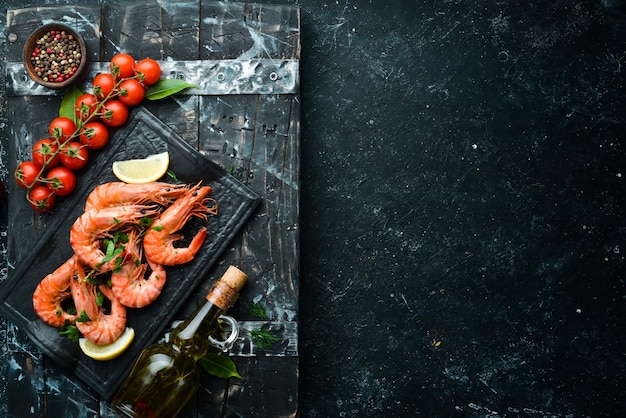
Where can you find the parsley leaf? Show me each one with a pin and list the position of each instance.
(83, 317)
(69, 331)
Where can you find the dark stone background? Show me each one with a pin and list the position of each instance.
(462, 219)
(462, 200)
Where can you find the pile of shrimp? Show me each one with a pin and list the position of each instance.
(122, 242)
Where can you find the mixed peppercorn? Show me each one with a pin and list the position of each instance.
(56, 56)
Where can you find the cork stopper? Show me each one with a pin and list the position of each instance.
(226, 290)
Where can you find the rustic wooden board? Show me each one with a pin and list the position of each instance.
(248, 30)
(255, 136)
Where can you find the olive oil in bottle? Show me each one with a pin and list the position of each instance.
(165, 376)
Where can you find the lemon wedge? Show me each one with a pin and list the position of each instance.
(107, 351)
(142, 170)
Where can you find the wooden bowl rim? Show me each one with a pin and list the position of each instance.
(28, 46)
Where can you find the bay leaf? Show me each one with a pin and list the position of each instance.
(68, 102)
(167, 87)
(219, 366)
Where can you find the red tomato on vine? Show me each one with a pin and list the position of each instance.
(45, 152)
(61, 180)
(85, 106)
(94, 135)
(103, 85)
(61, 129)
(41, 198)
(26, 174)
(131, 92)
(74, 155)
(115, 113)
(122, 66)
(149, 71)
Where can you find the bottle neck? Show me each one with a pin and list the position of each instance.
(222, 295)
(191, 336)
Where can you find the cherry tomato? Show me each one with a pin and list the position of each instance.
(45, 153)
(122, 66)
(26, 174)
(148, 70)
(61, 180)
(103, 85)
(131, 92)
(62, 128)
(41, 198)
(85, 106)
(94, 135)
(74, 155)
(115, 113)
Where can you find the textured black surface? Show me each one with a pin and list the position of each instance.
(462, 218)
(463, 179)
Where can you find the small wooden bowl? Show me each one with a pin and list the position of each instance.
(31, 44)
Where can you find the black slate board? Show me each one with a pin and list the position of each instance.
(143, 135)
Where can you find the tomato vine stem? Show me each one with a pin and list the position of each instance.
(80, 123)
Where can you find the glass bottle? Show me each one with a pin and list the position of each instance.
(165, 376)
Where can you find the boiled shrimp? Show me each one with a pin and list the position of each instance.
(129, 284)
(159, 240)
(119, 193)
(91, 226)
(82, 294)
(52, 291)
(103, 327)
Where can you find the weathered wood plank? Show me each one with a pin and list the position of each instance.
(25, 385)
(274, 237)
(151, 29)
(254, 135)
(25, 377)
(258, 76)
(5, 364)
(255, 138)
(226, 131)
(67, 395)
(249, 30)
(211, 396)
(179, 113)
(268, 390)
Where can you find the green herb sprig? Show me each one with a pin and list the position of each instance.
(256, 309)
(264, 338)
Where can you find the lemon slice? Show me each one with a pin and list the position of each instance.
(107, 351)
(142, 170)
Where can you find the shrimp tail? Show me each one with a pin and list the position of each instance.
(105, 327)
(173, 256)
(52, 291)
(159, 240)
(133, 289)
